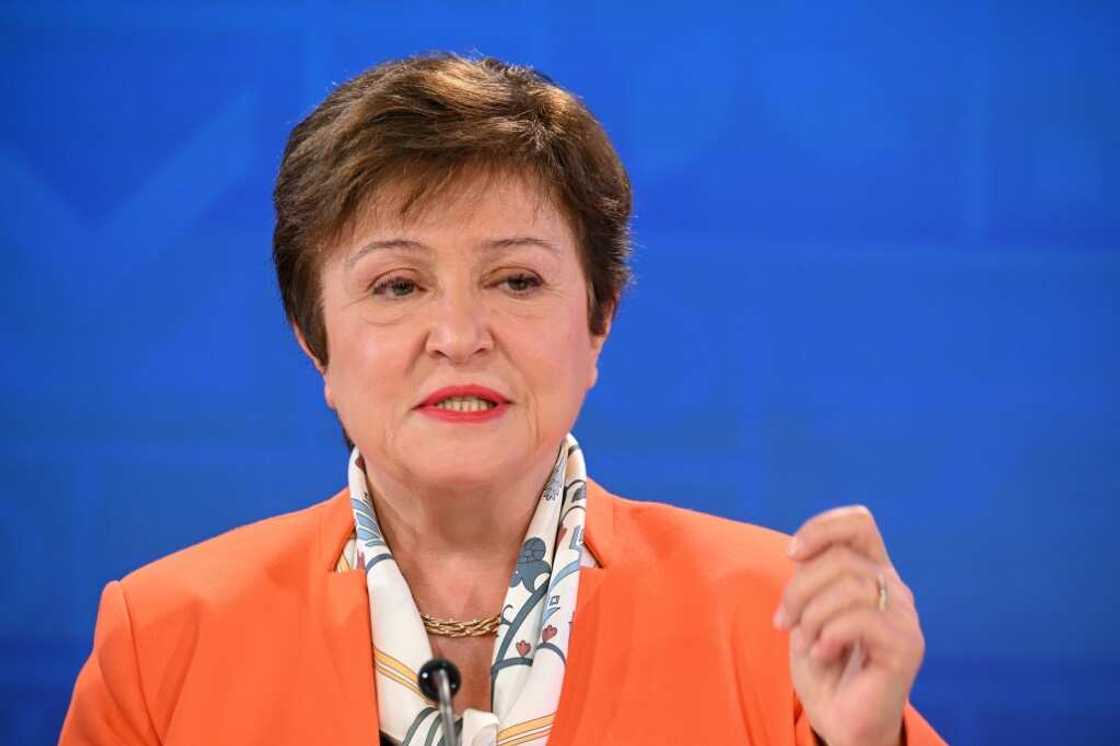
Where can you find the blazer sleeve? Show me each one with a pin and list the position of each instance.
(916, 731)
(108, 705)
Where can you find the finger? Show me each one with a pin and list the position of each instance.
(852, 525)
(880, 636)
(844, 594)
(811, 577)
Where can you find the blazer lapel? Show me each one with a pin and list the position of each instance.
(344, 606)
(594, 652)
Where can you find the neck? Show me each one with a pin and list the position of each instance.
(457, 546)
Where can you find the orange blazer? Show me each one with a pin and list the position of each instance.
(253, 638)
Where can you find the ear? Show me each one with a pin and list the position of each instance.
(317, 363)
(597, 342)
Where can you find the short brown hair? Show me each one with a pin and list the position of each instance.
(422, 123)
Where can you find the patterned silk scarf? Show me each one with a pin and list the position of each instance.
(527, 668)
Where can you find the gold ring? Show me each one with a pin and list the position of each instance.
(882, 582)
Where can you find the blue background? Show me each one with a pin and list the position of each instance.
(878, 260)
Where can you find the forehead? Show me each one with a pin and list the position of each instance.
(476, 208)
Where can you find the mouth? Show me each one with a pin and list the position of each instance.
(470, 399)
(465, 404)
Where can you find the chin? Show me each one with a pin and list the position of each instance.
(460, 474)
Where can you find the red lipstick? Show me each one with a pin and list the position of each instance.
(499, 402)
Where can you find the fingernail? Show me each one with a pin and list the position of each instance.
(780, 618)
(792, 548)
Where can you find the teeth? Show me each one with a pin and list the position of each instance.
(465, 404)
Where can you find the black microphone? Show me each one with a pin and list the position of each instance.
(439, 680)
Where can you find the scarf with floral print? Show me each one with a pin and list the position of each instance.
(530, 652)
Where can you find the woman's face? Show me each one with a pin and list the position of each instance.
(458, 341)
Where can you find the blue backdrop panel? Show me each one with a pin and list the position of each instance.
(878, 260)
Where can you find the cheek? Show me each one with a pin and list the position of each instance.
(580, 352)
(565, 362)
(366, 367)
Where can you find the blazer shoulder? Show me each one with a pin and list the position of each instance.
(172, 626)
(710, 549)
(281, 550)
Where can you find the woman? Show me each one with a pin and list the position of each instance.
(451, 244)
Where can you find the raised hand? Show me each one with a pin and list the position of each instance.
(855, 639)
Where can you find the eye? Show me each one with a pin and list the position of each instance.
(521, 283)
(395, 287)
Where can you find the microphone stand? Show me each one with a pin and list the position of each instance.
(439, 680)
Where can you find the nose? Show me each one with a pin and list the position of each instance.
(459, 328)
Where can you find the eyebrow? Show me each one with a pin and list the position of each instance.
(404, 244)
(392, 243)
(515, 241)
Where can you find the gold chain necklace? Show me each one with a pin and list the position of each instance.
(455, 628)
